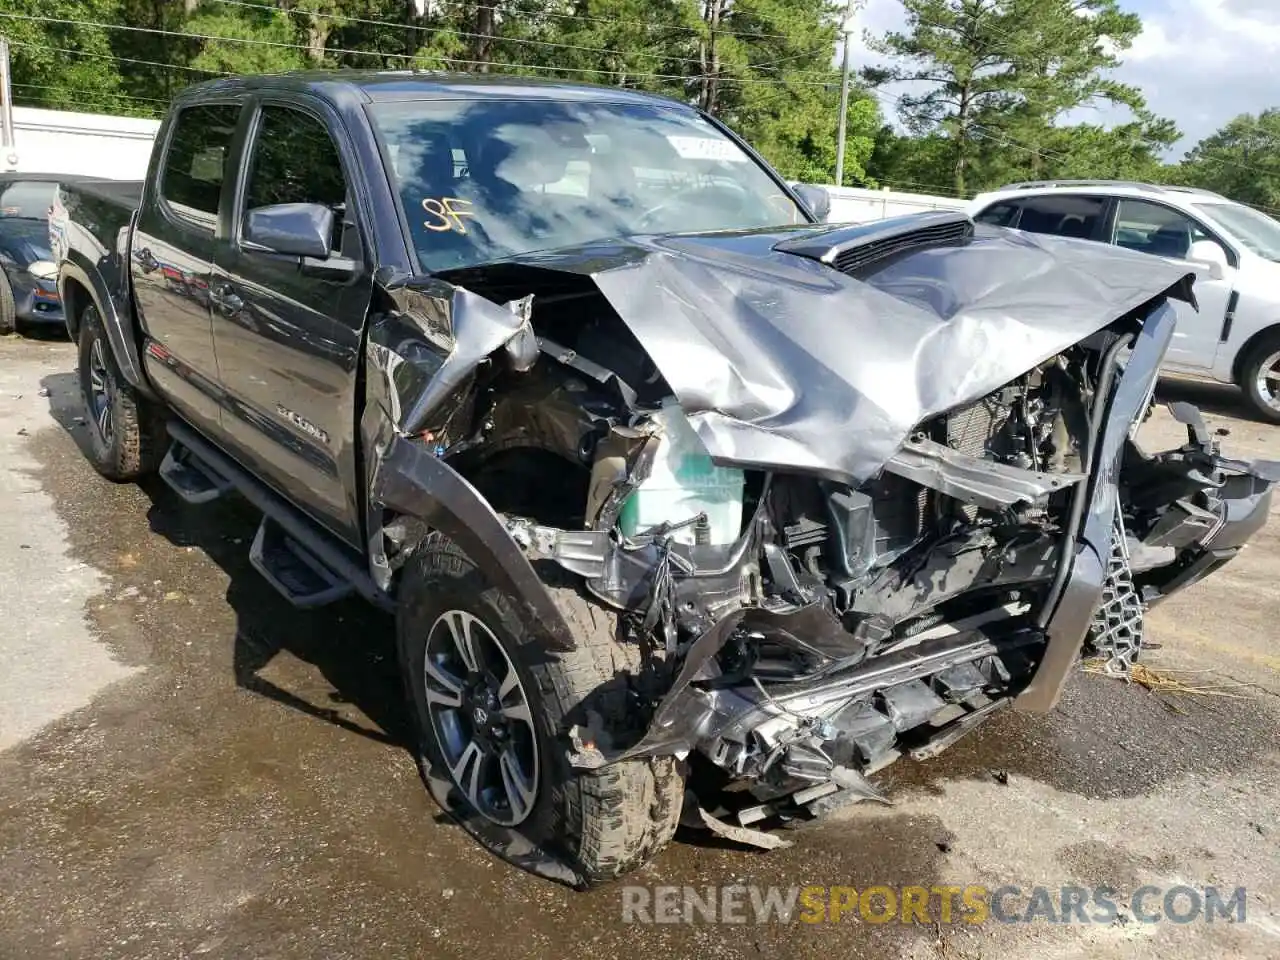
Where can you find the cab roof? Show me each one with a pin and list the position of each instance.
(390, 85)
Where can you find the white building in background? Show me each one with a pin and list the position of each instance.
(90, 144)
(856, 205)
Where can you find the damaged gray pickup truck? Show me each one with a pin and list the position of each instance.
(689, 508)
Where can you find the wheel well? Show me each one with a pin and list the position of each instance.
(75, 299)
(532, 482)
(1250, 345)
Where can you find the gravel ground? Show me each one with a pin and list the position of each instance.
(188, 767)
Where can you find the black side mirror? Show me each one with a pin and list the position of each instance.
(294, 229)
(816, 200)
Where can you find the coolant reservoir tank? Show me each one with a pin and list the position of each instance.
(684, 483)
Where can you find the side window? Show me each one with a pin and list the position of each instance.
(999, 215)
(191, 181)
(1156, 229)
(295, 161)
(1062, 215)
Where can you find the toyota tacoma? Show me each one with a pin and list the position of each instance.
(689, 507)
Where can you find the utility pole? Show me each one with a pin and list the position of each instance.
(846, 29)
(8, 147)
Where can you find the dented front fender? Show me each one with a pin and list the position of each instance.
(408, 479)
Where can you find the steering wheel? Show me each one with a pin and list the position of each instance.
(701, 196)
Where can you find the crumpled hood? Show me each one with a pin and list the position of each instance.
(782, 362)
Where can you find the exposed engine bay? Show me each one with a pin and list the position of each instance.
(812, 606)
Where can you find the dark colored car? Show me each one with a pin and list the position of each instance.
(28, 276)
(689, 508)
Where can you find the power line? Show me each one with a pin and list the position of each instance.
(378, 53)
(105, 93)
(113, 57)
(157, 31)
(44, 100)
(343, 19)
(493, 7)
(463, 33)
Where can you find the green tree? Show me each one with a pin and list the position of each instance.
(996, 76)
(45, 74)
(1241, 161)
(258, 40)
(765, 67)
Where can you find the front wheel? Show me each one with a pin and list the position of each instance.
(492, 708)
(126, 431)
(1260, 378)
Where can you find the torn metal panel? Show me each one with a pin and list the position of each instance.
(584, 552)
(623, 460)
(984, 483)
(427, 347)
(782, 362)
(753, 838)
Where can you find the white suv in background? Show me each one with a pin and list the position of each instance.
(1234, 337)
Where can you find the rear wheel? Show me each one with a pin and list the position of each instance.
(8, 308)
(492, 709)
(126, 431)
(1260, 378)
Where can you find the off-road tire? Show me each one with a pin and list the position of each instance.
(8, 308)
(138, 439)
(1250, 367)
(602, 823)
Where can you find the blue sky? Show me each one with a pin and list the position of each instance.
(1199, 62)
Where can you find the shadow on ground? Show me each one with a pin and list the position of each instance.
(1222, 399)
(351, 644)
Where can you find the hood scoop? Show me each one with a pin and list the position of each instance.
(857, 247)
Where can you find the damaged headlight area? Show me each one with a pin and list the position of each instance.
(792, 625)
(846, 623)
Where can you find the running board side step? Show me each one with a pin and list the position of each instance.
(191, 478)
(294, 553)
(297, 574)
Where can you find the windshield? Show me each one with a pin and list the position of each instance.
(482, 180)
(26, 199)
(1255, 230)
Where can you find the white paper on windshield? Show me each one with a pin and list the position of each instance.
(706, 148)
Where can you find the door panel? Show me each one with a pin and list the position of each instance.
(288, 331)
(1164, 232)
(172, 258)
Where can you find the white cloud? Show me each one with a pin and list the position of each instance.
(1199, 62)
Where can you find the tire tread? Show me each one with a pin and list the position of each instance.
(618, 817)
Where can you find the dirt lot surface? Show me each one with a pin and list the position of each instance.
(188, 767)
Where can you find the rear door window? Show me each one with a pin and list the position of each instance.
(1063, 215)
(195, 166)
